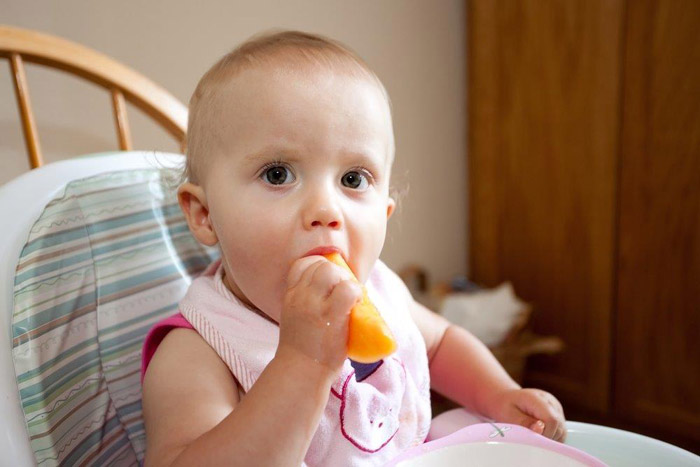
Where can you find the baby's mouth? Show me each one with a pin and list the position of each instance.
(323, 250)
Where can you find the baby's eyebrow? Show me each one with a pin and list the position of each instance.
(270, 151)
(370, 160)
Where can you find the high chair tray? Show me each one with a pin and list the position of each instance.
(494, 444)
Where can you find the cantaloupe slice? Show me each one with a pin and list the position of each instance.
(369, 338)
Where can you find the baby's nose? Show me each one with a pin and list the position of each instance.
(323, 217)
(322, 206)
(329, 224)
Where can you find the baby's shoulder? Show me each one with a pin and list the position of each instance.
(184, 362)
(181, 345)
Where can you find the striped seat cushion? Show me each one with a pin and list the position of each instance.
(106, 259)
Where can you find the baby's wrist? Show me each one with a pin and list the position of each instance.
(497, 401)
(305, 366)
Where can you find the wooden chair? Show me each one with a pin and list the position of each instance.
(22, 45)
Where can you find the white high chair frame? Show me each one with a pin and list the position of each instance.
(22, 201)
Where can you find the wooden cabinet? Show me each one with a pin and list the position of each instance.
(584, 191)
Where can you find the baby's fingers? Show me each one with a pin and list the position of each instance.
(344, 296)
(303, 268)
(554, 429)
(546, 411)
(560, 433)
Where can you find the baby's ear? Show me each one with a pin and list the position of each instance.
(193, 202)
(390, 206)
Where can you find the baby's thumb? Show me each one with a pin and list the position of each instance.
(525, 419)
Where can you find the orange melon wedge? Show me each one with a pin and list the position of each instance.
(369, 338)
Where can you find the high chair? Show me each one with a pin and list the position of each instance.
(90, 260)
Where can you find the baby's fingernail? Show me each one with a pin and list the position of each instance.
(538, 426)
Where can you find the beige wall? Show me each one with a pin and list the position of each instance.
(416, 48)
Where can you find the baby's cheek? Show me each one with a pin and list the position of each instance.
(366, 245)
(258, 271)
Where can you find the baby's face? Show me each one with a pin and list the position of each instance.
(304, 163)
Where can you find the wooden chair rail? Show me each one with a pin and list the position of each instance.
(21, 46)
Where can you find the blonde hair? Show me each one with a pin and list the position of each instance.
(283, 48)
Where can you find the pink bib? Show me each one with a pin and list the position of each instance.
(374, 412)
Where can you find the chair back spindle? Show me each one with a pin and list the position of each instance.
(31, 137)
(120, 119)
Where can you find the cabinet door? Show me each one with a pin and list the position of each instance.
(544, 113)
(657, 377)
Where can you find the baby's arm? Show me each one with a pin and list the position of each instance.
(463, 369)
(190, 396)
(192, 411)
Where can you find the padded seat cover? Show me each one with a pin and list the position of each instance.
(106, 259)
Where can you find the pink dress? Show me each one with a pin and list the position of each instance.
(374, 412)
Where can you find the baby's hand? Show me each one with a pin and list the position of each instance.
(534, 409)
(316, 310)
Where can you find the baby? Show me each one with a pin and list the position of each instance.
(290, 150)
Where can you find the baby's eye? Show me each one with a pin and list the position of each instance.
(277, 175)
(355, 180)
